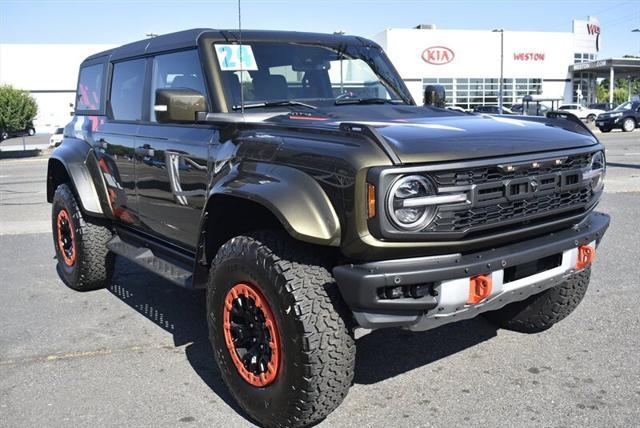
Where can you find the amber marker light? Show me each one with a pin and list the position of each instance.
(371, 200)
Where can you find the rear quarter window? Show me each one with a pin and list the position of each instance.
(89, 92)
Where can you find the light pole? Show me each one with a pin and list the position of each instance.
(501, 92)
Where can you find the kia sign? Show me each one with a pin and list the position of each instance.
(438, 55)
(528, 56)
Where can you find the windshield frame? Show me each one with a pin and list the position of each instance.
(389, 78)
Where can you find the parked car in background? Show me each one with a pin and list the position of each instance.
(532, 110)
(492, 110)
(5, 133)
(581, 112)
(603, 106)
(56, 137)
(626, 117)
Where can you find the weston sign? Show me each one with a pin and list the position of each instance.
(438, 55)
(593, 29)
(528, 56)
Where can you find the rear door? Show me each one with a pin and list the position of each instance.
(171, 159)
(115, 139)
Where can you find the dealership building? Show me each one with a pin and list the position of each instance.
(467, 62)
(561, 66)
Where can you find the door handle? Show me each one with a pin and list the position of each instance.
(144, 151)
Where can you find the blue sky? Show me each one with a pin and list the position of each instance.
(117, 22)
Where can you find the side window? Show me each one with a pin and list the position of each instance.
(89, 93)
(176, 70)
(127, 86)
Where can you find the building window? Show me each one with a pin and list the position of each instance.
(471, 92)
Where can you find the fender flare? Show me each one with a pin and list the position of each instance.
(294, 197)
(81, 165)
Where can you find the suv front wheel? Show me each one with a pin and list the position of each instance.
(281, 334)
(541, 311)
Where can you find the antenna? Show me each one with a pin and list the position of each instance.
(241, 62)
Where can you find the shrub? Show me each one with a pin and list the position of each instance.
(17, 109)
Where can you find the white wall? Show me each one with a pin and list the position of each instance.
(477, 54)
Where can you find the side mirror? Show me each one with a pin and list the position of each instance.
(178, 105)
(434, 95)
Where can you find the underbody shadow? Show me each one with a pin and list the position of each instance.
(179, 311)
(381, 354)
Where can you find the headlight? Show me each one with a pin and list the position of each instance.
(596, 171)
(405, 214)
(616, 114)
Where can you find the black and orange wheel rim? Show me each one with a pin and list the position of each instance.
(251, 335)
(66, 238)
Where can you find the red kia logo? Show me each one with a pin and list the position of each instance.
(438, 55)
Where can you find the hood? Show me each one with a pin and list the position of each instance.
(424, 134)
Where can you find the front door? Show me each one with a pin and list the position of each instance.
(171, 180)
(171, 159)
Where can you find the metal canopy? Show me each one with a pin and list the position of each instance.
(602, 67)
(622, 67)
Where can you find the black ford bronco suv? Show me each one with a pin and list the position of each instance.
(292, 176)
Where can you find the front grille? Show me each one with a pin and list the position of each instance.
(510, 211)
(487, 174)
(504, 194)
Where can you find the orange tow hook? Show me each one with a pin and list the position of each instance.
(586, 254)
(479, 288)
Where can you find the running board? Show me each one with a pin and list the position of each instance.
(144, 257)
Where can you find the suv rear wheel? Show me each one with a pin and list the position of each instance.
(84, 261)
(541, 311)
(279, 329)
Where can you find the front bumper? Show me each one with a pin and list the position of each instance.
(609, 122)
(447, 277)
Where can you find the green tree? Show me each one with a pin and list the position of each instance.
(17, 108)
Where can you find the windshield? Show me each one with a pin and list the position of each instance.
(316, 75)
(625, 106)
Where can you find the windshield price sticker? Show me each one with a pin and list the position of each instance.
(236, 57)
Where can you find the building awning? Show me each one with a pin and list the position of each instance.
(602, 67)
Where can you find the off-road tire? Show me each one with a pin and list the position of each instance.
(317, 344)
(628, 125)
(94, 263)
(541, 311)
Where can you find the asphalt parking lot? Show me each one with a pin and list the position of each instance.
(137, 354)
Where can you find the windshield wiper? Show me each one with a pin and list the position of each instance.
(278, 103)
(367, 101)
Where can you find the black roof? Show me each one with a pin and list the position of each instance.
(190, 38)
